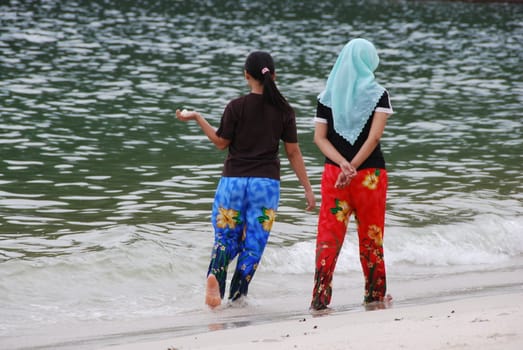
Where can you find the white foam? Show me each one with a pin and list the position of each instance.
(487, 240)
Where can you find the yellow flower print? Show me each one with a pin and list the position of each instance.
(371, 180)
(342, 211)
(376, 234)
(267, 219)
(227, 217)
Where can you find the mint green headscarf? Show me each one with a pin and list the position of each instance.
(352, 92)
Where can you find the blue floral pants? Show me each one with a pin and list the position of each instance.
(243, 212)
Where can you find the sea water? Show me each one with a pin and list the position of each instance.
(105, 197)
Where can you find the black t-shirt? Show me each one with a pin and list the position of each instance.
(255, 129)
(348, 151)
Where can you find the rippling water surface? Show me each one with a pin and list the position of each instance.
(105, 198)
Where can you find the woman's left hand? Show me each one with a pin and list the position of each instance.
(186, 115)
(346, 174)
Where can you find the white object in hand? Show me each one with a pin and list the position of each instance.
(185, 113)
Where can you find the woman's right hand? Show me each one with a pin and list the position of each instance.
(348, 172)
(311, 200)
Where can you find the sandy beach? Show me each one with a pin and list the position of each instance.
(470, 322)
(106, 198)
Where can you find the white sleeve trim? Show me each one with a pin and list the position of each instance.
(320, 120)
(388, 110)
(384, 110)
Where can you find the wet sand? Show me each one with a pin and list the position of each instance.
(467, 322)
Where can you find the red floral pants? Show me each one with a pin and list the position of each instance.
(365, 196)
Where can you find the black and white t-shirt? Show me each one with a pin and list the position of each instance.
(348, 151)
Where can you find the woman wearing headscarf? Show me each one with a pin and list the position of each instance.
(350, 119)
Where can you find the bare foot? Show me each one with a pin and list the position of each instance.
(212, 292)
(385, 303)
(320, 312)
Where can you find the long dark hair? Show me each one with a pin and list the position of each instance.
(260, 66)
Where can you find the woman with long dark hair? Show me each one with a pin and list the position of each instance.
(248, 192)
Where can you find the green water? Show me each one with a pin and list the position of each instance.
(100, 185)
(88, 91)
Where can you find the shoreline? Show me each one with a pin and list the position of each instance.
(268, 312)
(464, 322)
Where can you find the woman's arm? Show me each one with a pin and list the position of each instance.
(207, 128)
(295, 158)
(329, 151)
(376, 130)
(325, 146)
